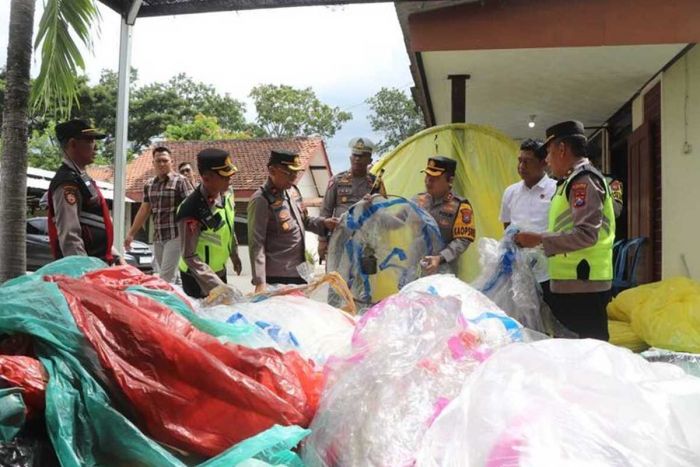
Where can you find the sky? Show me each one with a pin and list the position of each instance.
(345, 53)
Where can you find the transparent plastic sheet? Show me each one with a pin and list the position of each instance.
(568, 403)
(318, 288)
(316, 330)
(488, 162)
(495, 326)
(411, 353)
(663, 314)
(689, 362)
(378, 245)
(507, 278)
(238, 332)
(83, 423)
(161, 363)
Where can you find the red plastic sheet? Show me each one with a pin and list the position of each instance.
(28, 374)
(188, 389)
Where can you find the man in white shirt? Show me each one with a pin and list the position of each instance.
(526, 203)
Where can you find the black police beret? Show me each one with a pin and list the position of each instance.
(289, 159)
(78, 129)
(217, 160)
(438, 165)
(563, 129)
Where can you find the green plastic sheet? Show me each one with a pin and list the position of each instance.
(85, 425)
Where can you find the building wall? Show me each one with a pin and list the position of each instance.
(681, 170)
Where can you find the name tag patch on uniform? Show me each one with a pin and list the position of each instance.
(70, 194)
(579, 192)
(464, 223)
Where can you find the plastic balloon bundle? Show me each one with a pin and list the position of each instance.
(316, 330)
(378, 245)
(411, 353)
(568, 403)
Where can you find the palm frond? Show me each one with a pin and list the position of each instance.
(64, 24)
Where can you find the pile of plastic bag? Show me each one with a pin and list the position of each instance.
(663, 314)
(127, 371)
(568, 403)
(378, 245)
(508, 279)
(410, 355)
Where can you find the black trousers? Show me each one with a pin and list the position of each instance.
(582, 313)
(192, 288)
(284, 280)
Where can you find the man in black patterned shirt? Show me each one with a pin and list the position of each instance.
(161, 197)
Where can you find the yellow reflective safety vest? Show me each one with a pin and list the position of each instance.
(214, 244)
(571, 265)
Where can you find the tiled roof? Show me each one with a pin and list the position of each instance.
(102, 173)
(250, 156)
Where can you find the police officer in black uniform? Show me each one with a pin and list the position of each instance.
(79, 221)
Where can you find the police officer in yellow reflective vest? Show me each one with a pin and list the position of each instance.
(580, 236)
(206, 222)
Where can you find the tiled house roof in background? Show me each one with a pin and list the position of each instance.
(249, 155)
(102, 173)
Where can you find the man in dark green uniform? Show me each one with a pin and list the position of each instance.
(206, 225)
(580, 234)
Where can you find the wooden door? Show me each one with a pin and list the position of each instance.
(641, 191)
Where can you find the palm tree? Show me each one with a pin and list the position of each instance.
(55, 88)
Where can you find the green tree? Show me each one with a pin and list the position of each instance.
(283, 111)
(202, 128)
(395, 115)
(55, 87)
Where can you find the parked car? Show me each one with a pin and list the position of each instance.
(39, 250)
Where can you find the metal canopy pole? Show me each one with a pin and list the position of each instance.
(121, 134)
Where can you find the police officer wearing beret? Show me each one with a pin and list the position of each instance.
(453, 214)
(79, 221)
(580, 234)
(349, 187)
(277, 221)
(206, 225)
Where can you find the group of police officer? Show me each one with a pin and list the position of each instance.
(578, 242)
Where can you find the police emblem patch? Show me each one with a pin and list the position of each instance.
(579, 192)
(466, 215)
(70, 195)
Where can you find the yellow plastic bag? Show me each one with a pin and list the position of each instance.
(664, 314)
(621, 334)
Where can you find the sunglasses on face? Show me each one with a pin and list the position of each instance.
(185, 171)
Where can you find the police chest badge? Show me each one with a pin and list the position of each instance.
(344, 199)
(578, 190)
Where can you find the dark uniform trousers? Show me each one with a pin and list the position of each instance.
(584, 312)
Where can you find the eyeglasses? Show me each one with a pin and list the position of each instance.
(185, 171)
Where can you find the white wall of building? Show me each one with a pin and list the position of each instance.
(680, 124)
